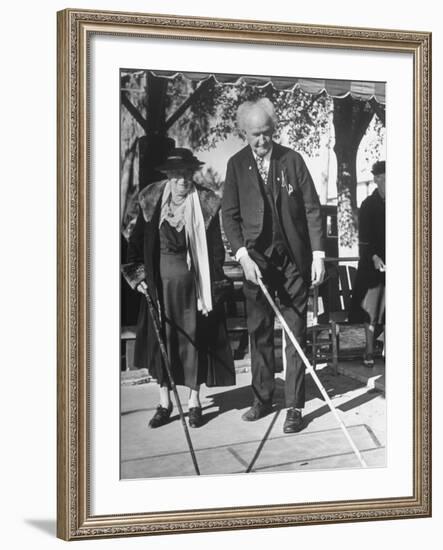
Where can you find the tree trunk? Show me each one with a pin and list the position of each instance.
(351, 120)
(155, 146)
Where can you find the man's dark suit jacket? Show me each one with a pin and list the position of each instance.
(296, 202)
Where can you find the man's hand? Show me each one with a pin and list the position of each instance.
(378, 263)
(250, 269)
(317, 271)
(142, 287)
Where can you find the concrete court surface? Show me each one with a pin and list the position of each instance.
(226, 445)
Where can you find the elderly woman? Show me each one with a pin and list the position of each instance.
(176, 254)
(368, 300)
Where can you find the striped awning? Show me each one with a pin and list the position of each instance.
(358, 89)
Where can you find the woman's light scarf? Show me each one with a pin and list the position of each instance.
(197, 247)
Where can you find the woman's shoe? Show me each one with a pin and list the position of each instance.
(161, 416)
(195, 417)
(368, 360)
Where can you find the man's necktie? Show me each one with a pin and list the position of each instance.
(261, 168)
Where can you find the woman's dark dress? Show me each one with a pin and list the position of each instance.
(180, 306)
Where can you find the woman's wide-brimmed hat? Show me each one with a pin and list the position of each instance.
(180, 158)
(379, 167)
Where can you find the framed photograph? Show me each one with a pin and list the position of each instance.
(244, 316)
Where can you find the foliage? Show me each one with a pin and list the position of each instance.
(212, 116)
(374, 149)
(347, 226)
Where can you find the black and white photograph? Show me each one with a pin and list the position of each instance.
(253, 265)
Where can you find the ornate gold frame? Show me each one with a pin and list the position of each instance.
(74, 518)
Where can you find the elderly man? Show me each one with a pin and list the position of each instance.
(272, 219)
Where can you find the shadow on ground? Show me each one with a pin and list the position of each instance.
(335, 385)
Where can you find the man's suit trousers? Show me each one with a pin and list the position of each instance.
(283, 279)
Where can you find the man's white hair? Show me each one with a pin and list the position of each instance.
(264, 104)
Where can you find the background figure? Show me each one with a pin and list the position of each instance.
(271, 216)
(368, 300)
(176, 254)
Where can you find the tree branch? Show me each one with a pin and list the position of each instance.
(184, 106)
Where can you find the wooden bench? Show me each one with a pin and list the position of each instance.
(334, 296)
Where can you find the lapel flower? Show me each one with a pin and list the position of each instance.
(285, 184)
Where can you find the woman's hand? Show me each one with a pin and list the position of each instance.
(250, 269)
(378, 263)
(142, 287)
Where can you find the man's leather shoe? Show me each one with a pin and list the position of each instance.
(195, 417)
(294, 421)
(258, 410)
(161, 416)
